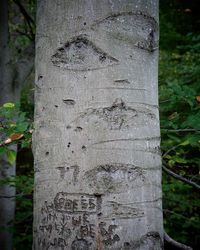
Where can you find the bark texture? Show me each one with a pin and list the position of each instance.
(96, 139)
(12, 77)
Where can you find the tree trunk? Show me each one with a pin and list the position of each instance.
(96, 139)
(7, 193)
(12, 77)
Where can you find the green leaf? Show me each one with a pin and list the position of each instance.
(9, 105)
(2, 150)
(22, 127)
(179, 159)
(185, 143)
(11, 156)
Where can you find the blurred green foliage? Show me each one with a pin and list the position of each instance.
(179, 84)
(14, 125)
(15, 128)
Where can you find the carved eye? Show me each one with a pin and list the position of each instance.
(81, 54)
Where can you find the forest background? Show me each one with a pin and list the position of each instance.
(179, 98)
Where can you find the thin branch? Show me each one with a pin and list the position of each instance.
(24, 34)
(187, 130)
(27, 17)
(178, 177)
(168, 151)
(165, 211)
(24, 12)
(168, 100)
(177, 244)
(11, 196)
(24, 219)
(14, 137)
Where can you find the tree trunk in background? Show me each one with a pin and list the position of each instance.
(7, 193)
(96, 139)
(12, 77)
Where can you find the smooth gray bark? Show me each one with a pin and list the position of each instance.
(12, 77)
(96, 139)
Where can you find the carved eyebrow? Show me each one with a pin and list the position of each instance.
(146, 37)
